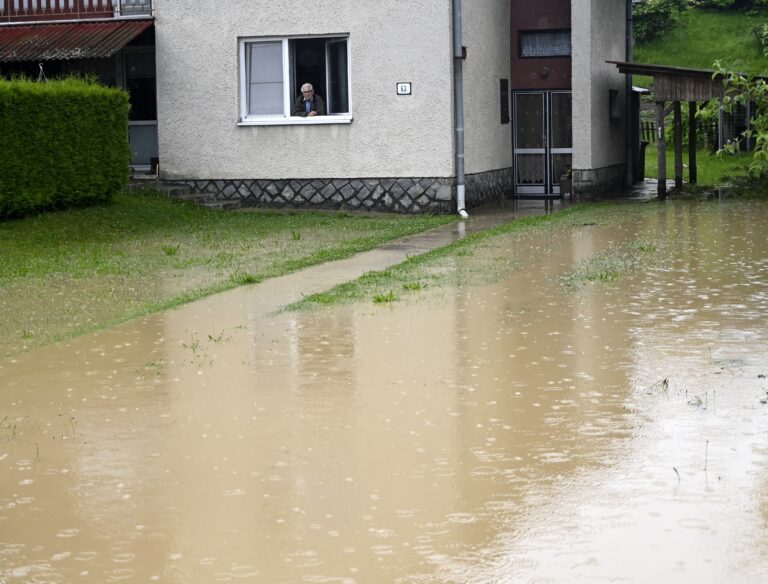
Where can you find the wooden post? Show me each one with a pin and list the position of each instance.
(661, 145)
(692, 170)
(678, 146)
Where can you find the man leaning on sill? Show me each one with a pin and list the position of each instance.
(308, 104)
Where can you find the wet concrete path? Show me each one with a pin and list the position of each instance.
(511, 432)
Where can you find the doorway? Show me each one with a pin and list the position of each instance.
(141, 83)
(542, 141)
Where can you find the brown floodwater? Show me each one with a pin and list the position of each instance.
(515, 432)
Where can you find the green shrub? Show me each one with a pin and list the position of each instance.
(62, 144)
(742, 90)
(761, 34)
(652, 19)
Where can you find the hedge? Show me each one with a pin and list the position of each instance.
(63, 144)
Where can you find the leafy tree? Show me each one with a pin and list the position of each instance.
(743, 89)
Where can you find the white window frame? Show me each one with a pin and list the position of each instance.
(285, 119)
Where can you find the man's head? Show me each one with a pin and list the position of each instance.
(307, 91)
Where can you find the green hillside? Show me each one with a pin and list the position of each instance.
(700, 37)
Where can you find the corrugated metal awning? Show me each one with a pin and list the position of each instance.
(75, 40)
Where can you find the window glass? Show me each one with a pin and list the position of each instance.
(545, 43)
(338, 95)
(265, 87)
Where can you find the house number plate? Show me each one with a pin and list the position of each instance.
(403, 89)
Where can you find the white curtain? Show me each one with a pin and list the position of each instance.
(555, 43)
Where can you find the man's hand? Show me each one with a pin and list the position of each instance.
(311, 114)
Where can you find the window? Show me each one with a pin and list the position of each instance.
(273, 71)
(504, 100)
(545, 43)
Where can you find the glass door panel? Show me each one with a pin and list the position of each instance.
(530, 143)
(562, 126)
(529, 120)
(561, 137)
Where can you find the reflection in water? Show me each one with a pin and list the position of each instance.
(505, 433)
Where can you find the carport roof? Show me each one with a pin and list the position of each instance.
(74, 40)
(679, 83)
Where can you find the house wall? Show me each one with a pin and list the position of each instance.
(552, 73)
(390, 138)
(488, 142)
(599, 148)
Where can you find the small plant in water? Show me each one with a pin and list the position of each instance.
(171, 250)
(241, 277)
(662, 386)
(156, 366)
(388, 297)
(193, 345)
(218, 338)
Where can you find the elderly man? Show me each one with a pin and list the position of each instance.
(308, 104)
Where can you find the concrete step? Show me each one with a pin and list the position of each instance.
(182, 192)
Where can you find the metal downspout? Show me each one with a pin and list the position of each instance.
(458, 93)
(628, 101)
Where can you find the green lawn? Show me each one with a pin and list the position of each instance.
(68, 273)
(701, 37)
(712, 168)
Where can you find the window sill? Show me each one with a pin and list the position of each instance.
(297, 121)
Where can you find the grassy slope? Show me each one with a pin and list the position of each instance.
(702, 37)
(68, 273)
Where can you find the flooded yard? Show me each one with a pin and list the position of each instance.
(524, 431)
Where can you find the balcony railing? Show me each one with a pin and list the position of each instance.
(12, 11)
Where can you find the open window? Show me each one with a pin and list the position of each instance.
(274, 69)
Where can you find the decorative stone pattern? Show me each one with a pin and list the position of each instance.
(484, 187)
(589, 185)
(401, 195)
(395, 195)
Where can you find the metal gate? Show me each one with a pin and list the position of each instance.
(542, 141)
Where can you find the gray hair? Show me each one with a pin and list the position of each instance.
(307, 87)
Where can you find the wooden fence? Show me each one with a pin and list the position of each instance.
(706, 132)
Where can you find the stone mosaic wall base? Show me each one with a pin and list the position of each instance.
(589, 185)
(397, 195)
(484, 187)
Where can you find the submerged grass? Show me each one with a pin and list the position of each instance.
(613, 263)
(442, 267)
(68, 273)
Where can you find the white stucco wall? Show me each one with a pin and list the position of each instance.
(598, 35)
(486, 30)
(391, 136)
